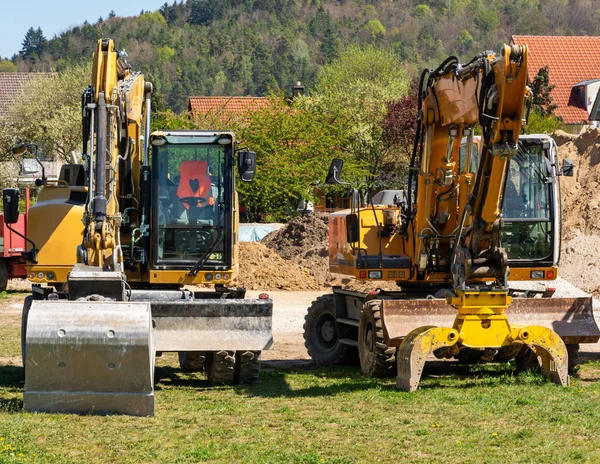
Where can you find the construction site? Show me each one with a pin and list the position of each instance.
(455, 319)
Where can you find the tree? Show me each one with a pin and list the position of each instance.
(7, 66)
(33, 44)
(356, 88)
(111, 14)
(541, 117)
(542, 92)
(53, 118)
(399, 131)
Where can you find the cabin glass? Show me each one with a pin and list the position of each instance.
(528, 232)
(191, 202)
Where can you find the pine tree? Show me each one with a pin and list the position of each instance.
(33, 44)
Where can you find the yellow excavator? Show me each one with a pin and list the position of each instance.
(478, 212)
(115, 241)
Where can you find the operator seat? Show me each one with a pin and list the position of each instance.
(194, 190)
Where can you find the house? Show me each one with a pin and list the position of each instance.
(11, 89)
(574, 70)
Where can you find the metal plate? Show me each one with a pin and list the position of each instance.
(211, 325)
(571, 318)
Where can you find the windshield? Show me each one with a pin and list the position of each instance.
(190, 192)
(527, 233)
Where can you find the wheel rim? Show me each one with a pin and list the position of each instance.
(327, 332)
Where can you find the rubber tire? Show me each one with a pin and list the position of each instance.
(376, 358)
(220, 367)
(192, 361)
(323, 350)
(24, 317)
(3, 276)
(247, 367)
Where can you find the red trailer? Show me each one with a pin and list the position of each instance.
(12, 266)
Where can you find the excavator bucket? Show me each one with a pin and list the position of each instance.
(571, 318)
(98, 357)
(89, 357)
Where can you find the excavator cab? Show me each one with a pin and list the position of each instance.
(193, 196)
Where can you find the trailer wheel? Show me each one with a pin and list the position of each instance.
(247, 367)
(192, 361)
(321, 337)
(3, 276)
(24, 316)
(376, 358)
(220, 367)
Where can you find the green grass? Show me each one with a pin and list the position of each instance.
(467, 414)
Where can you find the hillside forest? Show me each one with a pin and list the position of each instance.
(356, 60)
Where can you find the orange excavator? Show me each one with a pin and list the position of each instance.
(475, 216)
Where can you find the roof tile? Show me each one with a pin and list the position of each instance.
(11, 84)
(230, 105)
(570, 60)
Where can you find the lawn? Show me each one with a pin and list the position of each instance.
(467, 414)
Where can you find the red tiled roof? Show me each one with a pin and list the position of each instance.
(230, 105)
(570, 60)
(10, 86)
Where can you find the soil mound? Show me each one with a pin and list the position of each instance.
(263, 269)
(581, 193)
(305, 242)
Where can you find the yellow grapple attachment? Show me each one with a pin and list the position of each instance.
(481, 323)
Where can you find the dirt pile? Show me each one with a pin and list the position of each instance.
(305, 242)
(581, 209)
(263, 269)
(581, 193)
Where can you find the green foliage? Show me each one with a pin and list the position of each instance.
(33, 44)
(357, 88)
(7, 66)
(541, 89)
(539, 123)
(375, 30)
(52, 119)
(422, 10)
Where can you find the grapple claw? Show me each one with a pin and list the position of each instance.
(551, 352)
(415, 349)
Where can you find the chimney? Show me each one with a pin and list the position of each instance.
(297, 90)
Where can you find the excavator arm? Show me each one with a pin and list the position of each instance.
(492, 92)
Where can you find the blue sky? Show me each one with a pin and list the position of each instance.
(55, 16)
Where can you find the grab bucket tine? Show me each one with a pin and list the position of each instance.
(551, 352)
(415, 349)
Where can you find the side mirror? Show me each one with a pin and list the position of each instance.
(567, 168)
(10, 200)
(352, 232)
(247, 165)
(335, 170)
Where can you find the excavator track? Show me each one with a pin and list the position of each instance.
(220, 367)
(247, 367)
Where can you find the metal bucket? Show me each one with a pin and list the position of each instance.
(89, 357)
